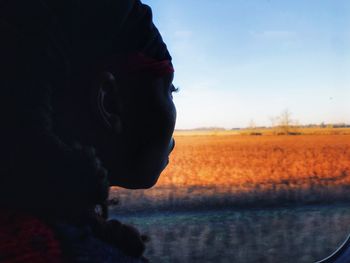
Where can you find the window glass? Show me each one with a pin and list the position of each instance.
(261, 168)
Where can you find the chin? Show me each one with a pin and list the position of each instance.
(144, 180)
(147, 185)
(140, 185)
(137, 175)
(150, 182)
(139, 182)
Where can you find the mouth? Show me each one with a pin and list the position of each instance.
(171, 148)
(172, 145)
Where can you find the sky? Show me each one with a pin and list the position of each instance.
(239, 62)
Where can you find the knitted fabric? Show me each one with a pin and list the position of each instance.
(24, 238)
(81, 246)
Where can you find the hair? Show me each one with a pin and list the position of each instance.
(40, 172)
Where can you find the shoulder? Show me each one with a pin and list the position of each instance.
(81, 246)
(25, 238)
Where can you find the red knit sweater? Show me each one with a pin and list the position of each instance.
(24, 238)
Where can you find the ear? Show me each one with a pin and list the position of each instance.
(106, 102)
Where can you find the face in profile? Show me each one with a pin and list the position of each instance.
(143, 115)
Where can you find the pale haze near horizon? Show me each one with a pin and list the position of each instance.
(244, 61)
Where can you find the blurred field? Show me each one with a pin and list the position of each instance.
(236, 198)
(288, 235)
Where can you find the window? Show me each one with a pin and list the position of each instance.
(261, 168)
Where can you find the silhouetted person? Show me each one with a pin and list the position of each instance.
(86, 102)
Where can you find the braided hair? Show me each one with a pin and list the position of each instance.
(44, 46)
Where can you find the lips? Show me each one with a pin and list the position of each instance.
(171, 148)
(172, 145)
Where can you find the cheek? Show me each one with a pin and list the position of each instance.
(164, 118)
(165, 108)
(157, 112)
(149, 119)
(171, 119)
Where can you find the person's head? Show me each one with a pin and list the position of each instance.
(128, 117)
(95, 75)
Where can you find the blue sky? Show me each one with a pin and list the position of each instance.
(239, 61)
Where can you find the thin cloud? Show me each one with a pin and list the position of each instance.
(274, 35)
(183, 33)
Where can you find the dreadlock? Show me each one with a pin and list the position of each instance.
(41, 51)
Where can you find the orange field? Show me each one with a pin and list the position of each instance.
(246, 161)
(234, 169)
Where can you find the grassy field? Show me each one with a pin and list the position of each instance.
(247, 198)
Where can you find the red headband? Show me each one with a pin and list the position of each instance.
(139, 63)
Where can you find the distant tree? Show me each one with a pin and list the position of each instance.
(273, 124)
(252, 124)
(286, 125)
